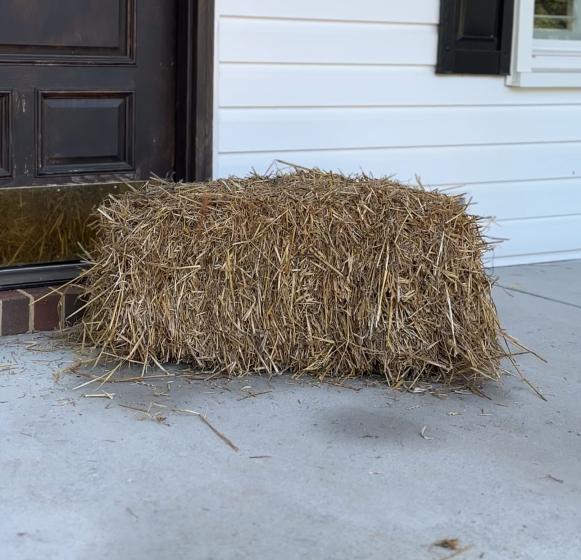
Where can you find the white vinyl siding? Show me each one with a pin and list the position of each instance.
(351, 86)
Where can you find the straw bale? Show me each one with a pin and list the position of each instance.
(309, 272)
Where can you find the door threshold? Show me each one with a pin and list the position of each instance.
(40, 275)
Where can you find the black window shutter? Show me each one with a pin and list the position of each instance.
(475, 36)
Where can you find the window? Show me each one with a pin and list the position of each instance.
(557, 19)
(547, 44)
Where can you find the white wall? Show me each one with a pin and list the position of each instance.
(349, 85)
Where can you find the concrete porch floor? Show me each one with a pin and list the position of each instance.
(323, 472)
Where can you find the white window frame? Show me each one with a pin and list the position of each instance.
(541, 62)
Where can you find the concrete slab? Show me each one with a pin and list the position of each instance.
(321, 471)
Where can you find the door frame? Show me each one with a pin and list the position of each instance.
(194, 125)
(195, 89)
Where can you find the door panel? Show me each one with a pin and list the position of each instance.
(87, 90)
(85, 132)
(67, 30)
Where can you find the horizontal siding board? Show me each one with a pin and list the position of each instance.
(539, 235)
(411, 11)
(280, 41)
(434, 165)
(312, 129)
(527, 199)
(257, 85)
(512, 260)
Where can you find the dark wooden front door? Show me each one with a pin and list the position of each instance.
(87, 90)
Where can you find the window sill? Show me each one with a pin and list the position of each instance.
(544, 79)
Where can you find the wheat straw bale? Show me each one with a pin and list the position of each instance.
(310, 272)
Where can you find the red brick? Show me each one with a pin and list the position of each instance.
(15, 313)
(47, 315)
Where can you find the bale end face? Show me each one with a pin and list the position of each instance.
(312, 272)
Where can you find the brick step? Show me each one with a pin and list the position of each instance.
(38, 309)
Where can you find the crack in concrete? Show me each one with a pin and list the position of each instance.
(567, 303)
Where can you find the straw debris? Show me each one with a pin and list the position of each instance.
(309, 272)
